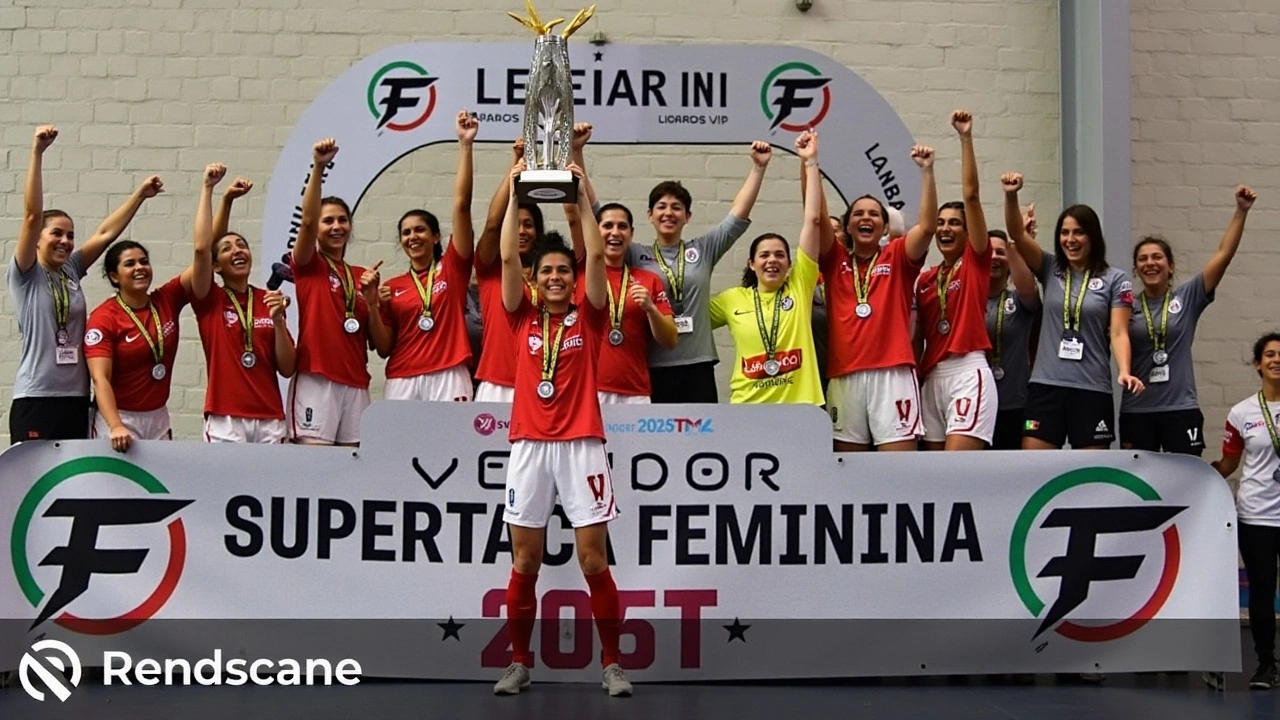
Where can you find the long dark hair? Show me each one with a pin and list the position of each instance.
(1092, 226)
(1261, 345)
(111, 262)
(844, 219)
(433, 224)
(1157, 241)
(749, 279)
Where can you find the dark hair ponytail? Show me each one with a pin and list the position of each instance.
(111, 262)
(749, 279)
(433, 224)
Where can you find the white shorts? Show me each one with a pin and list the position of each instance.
(149, 425)
(575, 470)
(959, 398)
(227, 429)
(324, 411)
(875, 406)
(488, 392)
(451, 385)
(612, 398)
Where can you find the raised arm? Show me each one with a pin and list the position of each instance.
(1217, 265)
(1122, 350)
(222, 219)
(815, 217)
(286, 351)
(116, 222)
(761, 153)
(597, 276)
(33, 199)
(581, 136)
(304, 247)
(826, 235)
(1027, 246)
(1024, 281)
(918, 237)
(512, 269)
(463, 229)
(975, 220)
(487, 246)
(198, 278)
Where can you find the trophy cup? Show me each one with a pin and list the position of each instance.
(548, 112)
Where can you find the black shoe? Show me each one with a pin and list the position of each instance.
(1265, 678)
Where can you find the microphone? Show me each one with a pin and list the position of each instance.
(281, 273)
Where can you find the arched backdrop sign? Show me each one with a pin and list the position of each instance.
(404, 98)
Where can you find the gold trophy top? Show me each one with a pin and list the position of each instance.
(534, 23)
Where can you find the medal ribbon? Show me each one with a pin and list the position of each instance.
(616, 308)
(157, 343)
(1070, 315)
(675, 279)
(550, 360)
(245, 315)
(61, 298)
(1158, 334)
(944, 288)
(423, 293)
(1271, 425)
(862, 285)
(348, 284)
(533, 290)
(769, 337)
(1004, 295)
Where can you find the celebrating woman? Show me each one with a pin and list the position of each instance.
(1167, 416)
(330, 391)
(959, 406)
(1252, 436)
(1085, 321)
(1012, 315)
(422, 328)
(51, 391)
(245, 338)
(557, 435)
(686, 373)
(770, 316)
(131, 340)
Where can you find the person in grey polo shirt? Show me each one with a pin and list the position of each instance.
(1084, 322)
(686, 373)
(51, 390)
(1013, 313)
(1167, 416)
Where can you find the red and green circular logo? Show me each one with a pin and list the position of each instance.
(402, 91)
(1111, 520)
(795, 96)
(26, 515)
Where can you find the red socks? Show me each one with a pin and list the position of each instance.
(522, 609)
(605, 610)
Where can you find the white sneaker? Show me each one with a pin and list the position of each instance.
(515, 679)
(615, 681)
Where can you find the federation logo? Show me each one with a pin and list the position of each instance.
(35, 664)
(795, 96)
(404, 92)
(80, 557)
(1080, 567)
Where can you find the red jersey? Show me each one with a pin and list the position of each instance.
(498, 358)
(624, 369)
(573, 412)
(966, 309)
(324, 347)
(415, 351)
(233, 389)
(882, 339)
(111, 333)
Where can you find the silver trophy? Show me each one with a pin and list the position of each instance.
(548, 113)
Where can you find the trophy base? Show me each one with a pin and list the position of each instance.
(547, 186)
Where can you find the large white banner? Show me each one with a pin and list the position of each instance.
(745, 549)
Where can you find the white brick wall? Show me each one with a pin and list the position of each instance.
(165, 86)
(1206, 117)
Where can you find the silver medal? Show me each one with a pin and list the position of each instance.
(863, 310)
(546, 389)
(351, 326)
(615, 337)
(158, 372)
(248, 359)
(944, 327)
(1161, 357)
(998, 372)
(771, 367)
(426, 322)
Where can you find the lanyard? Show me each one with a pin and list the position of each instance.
(862, 285)
(1271, 425)
(550, 360)
(348, 284)
(61, 298)
(533, 290)
(1158, 334)
(157, 343)
(423, 293)
(769, 336)
(1004, 295)
(616, 308)
(1070, 316)
(245, 314)
(675, 279)
(944, 288)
